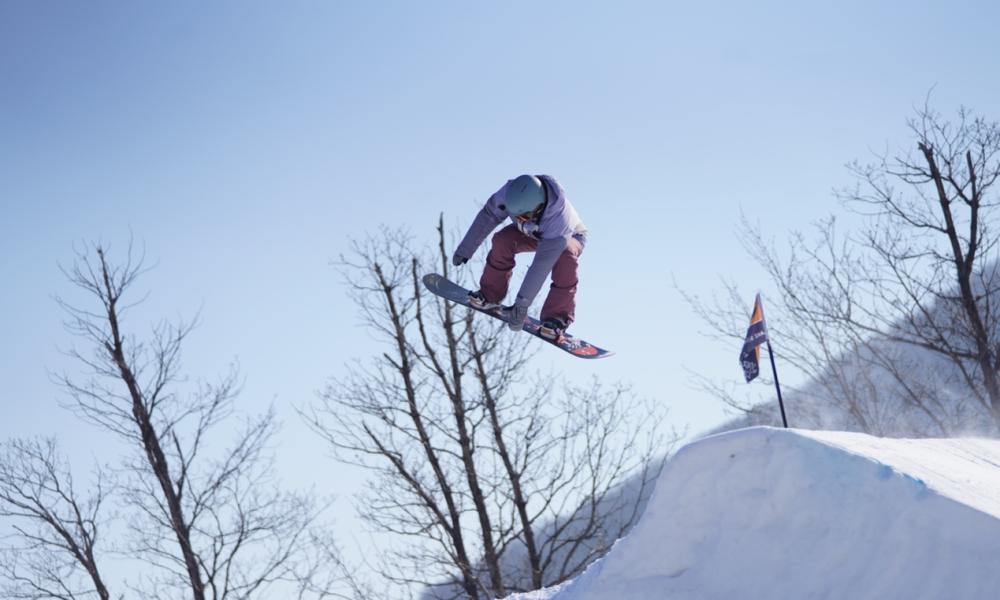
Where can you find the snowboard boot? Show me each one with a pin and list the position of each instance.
(477, 300)
(552, 328)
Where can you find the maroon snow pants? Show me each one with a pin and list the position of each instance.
(561, 301)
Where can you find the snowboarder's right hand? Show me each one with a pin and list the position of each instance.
(458, 260)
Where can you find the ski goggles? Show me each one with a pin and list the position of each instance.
(531, 214)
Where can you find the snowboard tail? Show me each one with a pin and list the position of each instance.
(449, 290)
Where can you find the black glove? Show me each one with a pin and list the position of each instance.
(458, 261)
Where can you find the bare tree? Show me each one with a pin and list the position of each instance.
(901, 316)
(211, 519)
(499, 486)
(54, 554)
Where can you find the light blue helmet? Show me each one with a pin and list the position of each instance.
(524, 194)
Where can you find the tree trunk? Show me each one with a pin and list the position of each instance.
(151, 444)
(520, 502)
(963, 262)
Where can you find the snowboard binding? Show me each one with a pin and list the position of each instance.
(478, 300)
(552, 329)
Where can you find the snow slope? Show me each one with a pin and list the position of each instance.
(772, 513)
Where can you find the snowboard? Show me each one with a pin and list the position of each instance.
(453, 292)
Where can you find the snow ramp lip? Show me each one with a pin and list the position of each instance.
(773, 513)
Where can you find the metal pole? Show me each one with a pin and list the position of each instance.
(777, 386)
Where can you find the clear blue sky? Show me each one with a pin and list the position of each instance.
(244, 144)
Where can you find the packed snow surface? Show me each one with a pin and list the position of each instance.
(774, 513)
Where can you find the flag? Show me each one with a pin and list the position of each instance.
(756, 335)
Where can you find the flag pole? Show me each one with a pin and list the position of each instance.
(777, 386)
(750, 355)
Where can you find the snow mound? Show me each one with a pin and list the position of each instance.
(773, 513)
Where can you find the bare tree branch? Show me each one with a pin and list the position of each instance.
(499, 486)
(214, 523)
(57, 530)
(898, 318)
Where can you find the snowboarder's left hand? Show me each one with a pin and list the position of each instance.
(515, 316)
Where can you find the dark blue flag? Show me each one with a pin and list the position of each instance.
(756, 335)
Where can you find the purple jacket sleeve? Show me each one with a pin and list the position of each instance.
(486, 221)
(546, 255)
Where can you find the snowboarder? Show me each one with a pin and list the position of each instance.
(542, 221)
